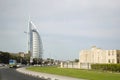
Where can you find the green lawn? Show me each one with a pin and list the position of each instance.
(77, 73)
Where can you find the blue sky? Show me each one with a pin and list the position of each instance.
(65, 26)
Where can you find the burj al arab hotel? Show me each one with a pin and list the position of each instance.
(35, 42)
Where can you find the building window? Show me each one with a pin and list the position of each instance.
(108, 53)
(109, 61)
(118, 60)
(118, 55)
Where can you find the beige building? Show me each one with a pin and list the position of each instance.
(21, 54)
(94, 56)
(100, 56)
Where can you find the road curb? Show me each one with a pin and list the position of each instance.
(45, 75)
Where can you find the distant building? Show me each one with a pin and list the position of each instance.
(22, 54)
(98, 56)
(94, 56)
(35, 45)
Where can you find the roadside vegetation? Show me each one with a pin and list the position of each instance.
(106, 67)
(6, 56)
(78, 73)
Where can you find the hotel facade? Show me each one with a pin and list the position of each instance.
(94, 56)
(99, 56)
(35, 42)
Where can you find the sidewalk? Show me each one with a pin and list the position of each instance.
(45, 75)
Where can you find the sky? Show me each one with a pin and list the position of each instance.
(66, 26)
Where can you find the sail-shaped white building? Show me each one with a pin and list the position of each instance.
(35, 42)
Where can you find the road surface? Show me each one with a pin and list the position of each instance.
(12, 74)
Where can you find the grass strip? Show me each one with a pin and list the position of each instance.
(78, 73)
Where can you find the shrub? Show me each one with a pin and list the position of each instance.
(106, 67)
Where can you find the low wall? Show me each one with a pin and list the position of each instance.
(75, 65)
(69, 65)
(84, 65)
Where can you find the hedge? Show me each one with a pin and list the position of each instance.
(106, 67)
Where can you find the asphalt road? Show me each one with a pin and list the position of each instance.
(12, 74)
